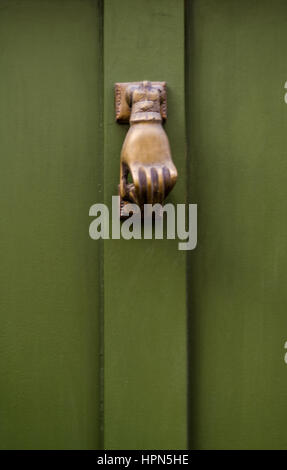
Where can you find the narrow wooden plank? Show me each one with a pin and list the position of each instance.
(50, 175)
(145, 308)
(238, 273)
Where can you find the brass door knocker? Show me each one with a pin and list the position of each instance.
(146, 152)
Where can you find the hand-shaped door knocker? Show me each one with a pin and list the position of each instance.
(145, 153)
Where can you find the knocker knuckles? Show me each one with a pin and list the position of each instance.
(151, 184)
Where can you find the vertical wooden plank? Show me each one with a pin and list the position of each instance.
(238, 273)
(145, 311)
(50, 175)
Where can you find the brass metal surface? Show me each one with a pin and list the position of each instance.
(145, 154)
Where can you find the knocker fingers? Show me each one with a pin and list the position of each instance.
(160, 181)
(150, 185)
(169, 177)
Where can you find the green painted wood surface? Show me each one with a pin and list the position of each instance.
(145, 310)
(237, 275)
(49, 145)
(54, 95)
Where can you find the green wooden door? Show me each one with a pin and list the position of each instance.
(122, 344)
(50, 92)
(237, 120)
